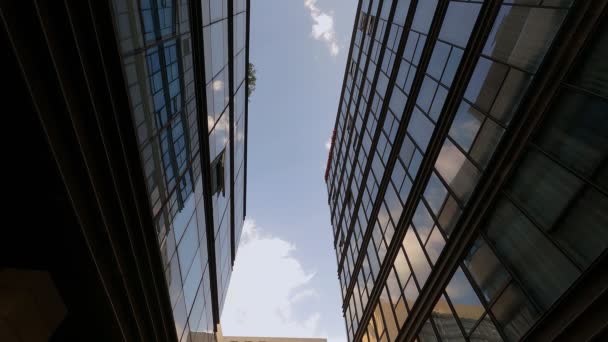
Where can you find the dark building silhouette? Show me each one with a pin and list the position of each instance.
(467, 173)
(130, 194)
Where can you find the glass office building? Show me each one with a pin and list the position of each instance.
(140, 107)
(467, 172)
(175, 116)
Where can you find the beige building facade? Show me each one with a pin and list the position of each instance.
(221, 338)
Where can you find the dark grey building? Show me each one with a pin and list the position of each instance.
(137, 114)
(467, 172)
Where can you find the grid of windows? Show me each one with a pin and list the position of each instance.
(345, 152)
(455, 176)
(414, 145)
(159, 72)
(517, 42)
(155, 41)
(548, 225)
(388, 131)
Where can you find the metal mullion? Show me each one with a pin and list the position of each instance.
(198, 58)
(231, 124)
(584, 90)
(498, 61)
(217, 20)
(541, 6)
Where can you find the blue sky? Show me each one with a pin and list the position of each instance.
(285, 281)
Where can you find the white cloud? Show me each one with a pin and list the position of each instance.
(218, 85)
(268, 283)
(328, 144)
(323, 27)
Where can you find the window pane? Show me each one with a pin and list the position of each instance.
(464, 300)
(379, 321)
(487, 272)
(451, 67)
(459, 22)
(427, 91)
(424, 15)
(420, 128)
(446, 324)
(522, 35)
(435, 193)
(434, 245)
(417, 258)
(456, 170)
(575, 131)
(485, 83)
(411, 292)
(393, 286)
(449, 215)
(543, 188)
(402, 268)
(438, 102)
(543, 270)
(584, 230)
(397, 102)
(427, 334)
(438, 60)
(415, 163)
(485, 331)
(486, 143)
(465, 125)
(514, 312)
(401, 312)
(510, 94)
(389, 319)
(593, 73)
(423, 221)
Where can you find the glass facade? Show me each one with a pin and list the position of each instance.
(160, 68)
(432, 88)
